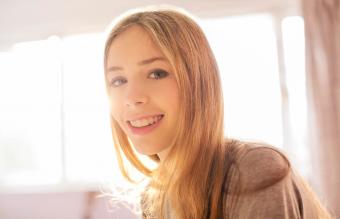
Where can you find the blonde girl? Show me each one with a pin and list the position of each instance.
(166, 102)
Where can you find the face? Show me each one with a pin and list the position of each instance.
(143, 91)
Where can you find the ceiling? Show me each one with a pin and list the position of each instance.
(39, 19)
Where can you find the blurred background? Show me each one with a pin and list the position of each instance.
(280, 81)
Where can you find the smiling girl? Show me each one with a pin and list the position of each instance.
(166, 102)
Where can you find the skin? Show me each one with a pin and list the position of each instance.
(139, 89)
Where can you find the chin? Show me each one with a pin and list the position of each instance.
(145, 151)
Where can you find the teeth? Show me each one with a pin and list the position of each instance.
(145, 122)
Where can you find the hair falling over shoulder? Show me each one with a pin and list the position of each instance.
(199, 137)
(197, 158)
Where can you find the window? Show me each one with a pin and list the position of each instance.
(245, 49)
(89, 151)
(294, 56)
(30, 114)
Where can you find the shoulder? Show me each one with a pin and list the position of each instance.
(259, 166)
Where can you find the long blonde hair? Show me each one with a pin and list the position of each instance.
(200, 121)
(197, 157)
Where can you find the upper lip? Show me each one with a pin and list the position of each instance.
(139, 117)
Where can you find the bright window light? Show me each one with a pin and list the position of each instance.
(30, 115)
(294, 55)
(89, 150)
(245, 49)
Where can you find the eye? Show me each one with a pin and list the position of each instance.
(158, 74)
(117, 82)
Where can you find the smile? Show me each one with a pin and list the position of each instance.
(145, 125)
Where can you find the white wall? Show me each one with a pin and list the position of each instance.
(36, 19)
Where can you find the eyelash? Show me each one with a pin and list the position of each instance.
(165, 74)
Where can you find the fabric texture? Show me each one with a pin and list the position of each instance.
(270, 188)
(267, 187)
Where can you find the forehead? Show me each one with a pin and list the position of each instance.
(133, 45)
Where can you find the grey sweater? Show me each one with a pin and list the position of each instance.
(269, 188)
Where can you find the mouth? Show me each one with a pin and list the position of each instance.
(145, 125)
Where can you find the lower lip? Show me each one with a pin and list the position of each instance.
(146, 129)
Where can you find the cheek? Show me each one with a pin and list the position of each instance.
(115, 110)
(116, 115)
(172, 97)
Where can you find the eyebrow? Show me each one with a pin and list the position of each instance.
(143, 62)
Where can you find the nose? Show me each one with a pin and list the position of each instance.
(135, 95)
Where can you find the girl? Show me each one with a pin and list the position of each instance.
(166, 102)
